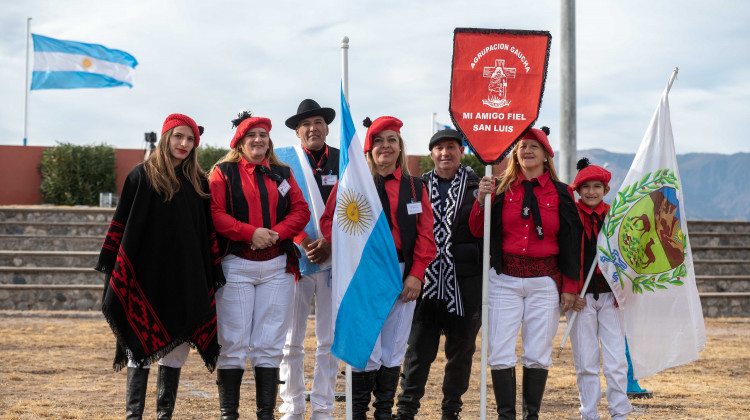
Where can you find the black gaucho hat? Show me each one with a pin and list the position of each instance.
(309, 108)
(447, 134)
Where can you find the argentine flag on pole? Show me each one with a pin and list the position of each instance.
(62, 64)
(366, 273)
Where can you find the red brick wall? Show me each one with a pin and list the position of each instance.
(19, 172)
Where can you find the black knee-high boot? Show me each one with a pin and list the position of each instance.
(135, 398)
(266, 391)
(384, 392)
(504, 385)
(229, 382)
(362, 385)
(167, 382)
(534, 381)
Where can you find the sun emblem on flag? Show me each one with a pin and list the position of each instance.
(354, 213)
(86, 63)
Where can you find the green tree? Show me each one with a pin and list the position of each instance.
(209, 155)
(74, 174)
(426, 164)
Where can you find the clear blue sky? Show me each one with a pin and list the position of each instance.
(211, 59)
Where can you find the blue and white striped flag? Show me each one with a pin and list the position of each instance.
(62, 64)
(295, 157)
(366, 273)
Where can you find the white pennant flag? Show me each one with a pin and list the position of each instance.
(644, 252)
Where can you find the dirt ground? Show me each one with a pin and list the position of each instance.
(60, 368)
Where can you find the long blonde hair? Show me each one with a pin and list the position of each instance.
(400, 161)
(161, 174)
(514, 169)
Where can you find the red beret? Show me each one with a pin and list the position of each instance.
(538, 135)
(248, 124)
(592, 173)
(176, 120)
(381, 124)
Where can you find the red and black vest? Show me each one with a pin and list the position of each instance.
(237, 206)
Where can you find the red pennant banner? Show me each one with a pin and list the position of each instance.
(497, 84)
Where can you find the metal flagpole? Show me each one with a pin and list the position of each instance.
(345, 89)
(671, 79)
(434, 124)
(26, 86)
(485, 311)
(568, 142)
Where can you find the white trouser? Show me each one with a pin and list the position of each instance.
(390, 346)
(513, 301)
(600, 321)
(174, 359)
(326, 364)
(252, 311)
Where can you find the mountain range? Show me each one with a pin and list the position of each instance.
(715, 186)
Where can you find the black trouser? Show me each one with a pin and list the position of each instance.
(430, 319)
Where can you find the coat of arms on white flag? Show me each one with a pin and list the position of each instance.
(644, 252)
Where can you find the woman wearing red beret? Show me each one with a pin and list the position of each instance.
(411, 227)
(535, 256)
(257, 208)
(162, 268)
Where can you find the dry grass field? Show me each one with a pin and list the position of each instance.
(58, 366)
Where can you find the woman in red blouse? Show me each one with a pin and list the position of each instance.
(415, 245)
(257, 208)
(535, 257)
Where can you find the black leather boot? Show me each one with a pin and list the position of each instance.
(534, 381)
(384, 392)
(266, 391)
(362, 385)
(135, 398)
(166, 391)
(504, 385)
(229, 381)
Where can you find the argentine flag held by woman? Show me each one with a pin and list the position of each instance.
(62, 64)
(366, 274)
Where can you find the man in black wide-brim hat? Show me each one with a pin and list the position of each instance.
(311, 126)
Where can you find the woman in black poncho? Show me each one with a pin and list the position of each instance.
(161, 260)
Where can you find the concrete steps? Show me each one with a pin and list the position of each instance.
(51, 242)
(48, 258)
(47, 255)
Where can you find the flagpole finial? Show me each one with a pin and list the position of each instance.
(345, 42)
(672, 78)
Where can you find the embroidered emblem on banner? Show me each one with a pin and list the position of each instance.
(498, 87)
(644, 238)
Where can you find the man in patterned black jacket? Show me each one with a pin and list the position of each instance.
(450, 302)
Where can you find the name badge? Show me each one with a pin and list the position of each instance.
(284, 188)
(329, 179)
(414, 208)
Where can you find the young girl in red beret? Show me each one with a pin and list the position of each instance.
(599, 319)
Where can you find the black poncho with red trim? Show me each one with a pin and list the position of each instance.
(162, 269)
